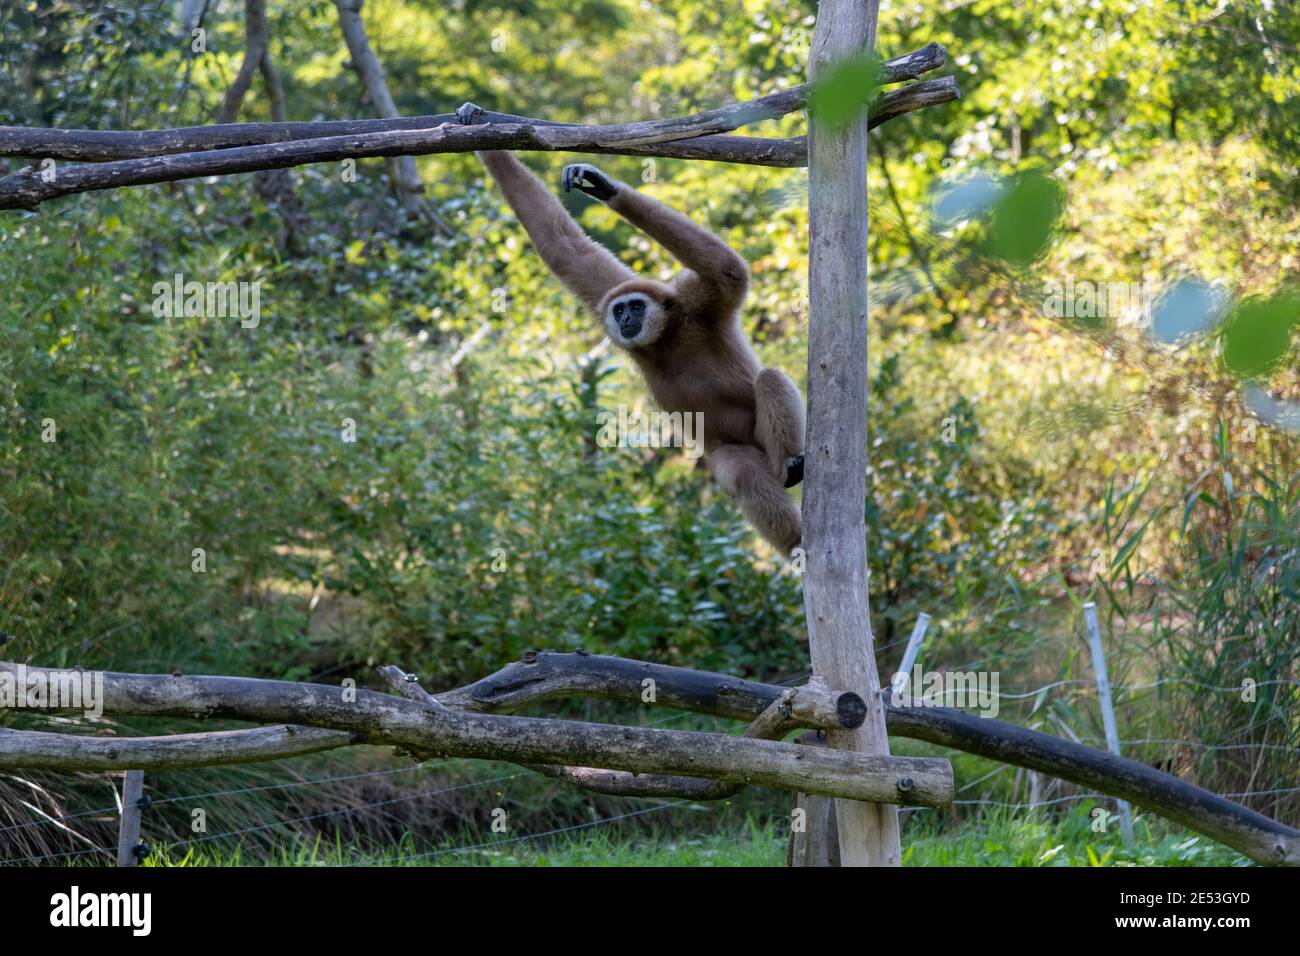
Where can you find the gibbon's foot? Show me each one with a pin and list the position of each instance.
(793, 471)
(469, 114)
(588, 179)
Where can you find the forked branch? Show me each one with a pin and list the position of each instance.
(174, 155)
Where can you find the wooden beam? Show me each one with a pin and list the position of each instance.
(413, 726)
(39, 750)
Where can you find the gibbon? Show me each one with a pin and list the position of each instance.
(684, 335)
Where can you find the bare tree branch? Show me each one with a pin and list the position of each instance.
(256, 43)
(402, 173)
(29, 187)
(542, 677)
(813, 705)
(274, 88)
(37, 750)
(106, 145)
(385, 719)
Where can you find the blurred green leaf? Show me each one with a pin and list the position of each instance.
(1024, 217)
(1257, 336)
(840, 97)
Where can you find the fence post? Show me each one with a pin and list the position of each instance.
(910, 654)
(1107, 710)
(128, 838)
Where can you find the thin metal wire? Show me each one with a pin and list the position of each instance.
(536, 836)
(353, 809)
(304, 783)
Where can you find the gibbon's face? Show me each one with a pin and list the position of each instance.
(634, 319)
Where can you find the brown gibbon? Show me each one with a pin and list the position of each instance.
(684, 335)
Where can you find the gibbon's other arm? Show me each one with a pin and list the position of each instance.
(587, 268)
(723, 275)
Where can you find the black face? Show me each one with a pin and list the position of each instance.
(629, 314)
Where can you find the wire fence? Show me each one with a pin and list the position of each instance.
(354, 808)
(237, 834)
(1069, 692)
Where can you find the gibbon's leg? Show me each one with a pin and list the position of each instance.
(741, 471)
(722, 272)
(779, 425)
(587, 268)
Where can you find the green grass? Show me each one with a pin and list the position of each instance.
(995, 838)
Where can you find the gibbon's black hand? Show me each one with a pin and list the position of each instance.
(793, 471)
(588, 179)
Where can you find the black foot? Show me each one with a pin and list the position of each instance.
(793, 471)
(469, 114)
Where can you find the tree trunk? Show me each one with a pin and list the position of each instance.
(834, 521)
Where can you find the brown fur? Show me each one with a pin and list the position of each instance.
(695, 357)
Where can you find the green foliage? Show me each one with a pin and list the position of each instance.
(514, 531)
(940, 536)
(1257, 336)
(994, 838)
(839, 97)
(1024, 217)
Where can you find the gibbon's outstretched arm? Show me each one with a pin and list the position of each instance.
(587, 268)
(722, 273)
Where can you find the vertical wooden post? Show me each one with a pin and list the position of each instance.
(128, 837)
(912, 651)
(1107, 709)
(834, 522)
(817, 845)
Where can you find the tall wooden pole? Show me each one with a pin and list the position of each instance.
(834, 520)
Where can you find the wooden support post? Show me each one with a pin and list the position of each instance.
(910, 654)
(814, 837)
(128, 837)
(834, 522)
(1107, 710)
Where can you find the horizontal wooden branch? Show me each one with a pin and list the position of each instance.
(38, 750)
(384, 719)
(618, 783)
(1261, 838)
(86, 145)
(813, 705)
(97, 146)
(30, 186)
